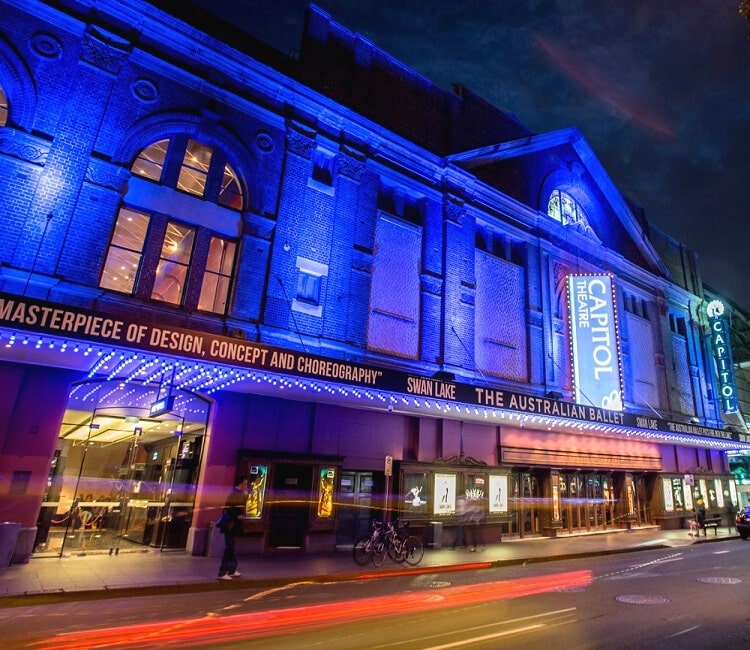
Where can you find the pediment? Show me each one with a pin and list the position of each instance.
(531, 169)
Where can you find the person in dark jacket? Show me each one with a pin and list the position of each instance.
(230, 526)
(700, 515)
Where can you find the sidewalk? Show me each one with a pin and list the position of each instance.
(47, 580)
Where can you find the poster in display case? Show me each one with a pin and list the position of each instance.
(256, 491)
(416, 492)
(445, 494)
(676, 497)
(498, 501)
(326, 485)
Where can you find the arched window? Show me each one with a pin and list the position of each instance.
(563, 208)
(162, 245)
(198, 170)
(3, 107)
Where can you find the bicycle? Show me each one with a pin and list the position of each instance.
(370, 548)
(387, 540)
(402, 547)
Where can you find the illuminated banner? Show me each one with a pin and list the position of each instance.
(594, 346)
(722, 348)
(78, 324)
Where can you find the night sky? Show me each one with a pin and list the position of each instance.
(661, 91)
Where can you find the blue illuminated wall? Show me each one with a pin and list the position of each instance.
(458, 286)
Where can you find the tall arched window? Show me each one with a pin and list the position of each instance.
(166, 244)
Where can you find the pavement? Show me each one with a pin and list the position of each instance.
(152, 572)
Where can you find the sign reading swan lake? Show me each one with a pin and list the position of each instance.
(82, 325)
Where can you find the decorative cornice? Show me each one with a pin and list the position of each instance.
(455, 210)
(103, 52)
(460, 459)
(350, 167)
(300, 144)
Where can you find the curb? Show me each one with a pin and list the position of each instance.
(62, 596)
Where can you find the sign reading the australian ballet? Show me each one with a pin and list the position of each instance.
(593, 338)
(77, 326)
(722, 348)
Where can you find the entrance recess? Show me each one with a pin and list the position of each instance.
(290, 509)
(586, 501)
(124, 472)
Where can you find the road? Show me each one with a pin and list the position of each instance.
(692, 597)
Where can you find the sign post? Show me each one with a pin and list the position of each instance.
(388, 471)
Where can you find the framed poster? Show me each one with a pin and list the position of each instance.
(668, 495)
(498, 497)
(256, 491)
(326, 485)
(416, 493)
(445, 494)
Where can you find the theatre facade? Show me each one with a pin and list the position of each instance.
(370, 296)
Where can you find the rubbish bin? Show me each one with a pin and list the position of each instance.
(8, 536)
(436, 535)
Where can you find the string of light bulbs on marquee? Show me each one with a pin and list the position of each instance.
(133, 370)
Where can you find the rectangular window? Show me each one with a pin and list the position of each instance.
(174, 263)
(322, 171)
(194, 169)
(125, 251)
(218, 276)
(308, 287)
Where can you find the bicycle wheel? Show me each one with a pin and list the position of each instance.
(413, 550)
(362, 551)
(378, 552)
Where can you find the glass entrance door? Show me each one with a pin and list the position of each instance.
(527, 495)
(586, 501)
(120, 479)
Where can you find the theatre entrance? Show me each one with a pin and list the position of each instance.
(124, 471)
(587, 501)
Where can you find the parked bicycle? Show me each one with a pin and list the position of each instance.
(387, 539)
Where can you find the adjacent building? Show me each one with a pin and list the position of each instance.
(369, 295)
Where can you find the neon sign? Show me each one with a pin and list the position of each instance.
(594, 341)
(722, 348)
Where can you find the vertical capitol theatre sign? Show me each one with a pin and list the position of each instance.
(594, 344)
(722, 349)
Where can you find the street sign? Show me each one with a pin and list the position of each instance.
(389, 465)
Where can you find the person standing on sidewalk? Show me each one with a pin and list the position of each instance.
(230, 526)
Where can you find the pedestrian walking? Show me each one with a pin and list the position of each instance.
(230, 525)
(474, 536)
(731, 513)
(462, 515)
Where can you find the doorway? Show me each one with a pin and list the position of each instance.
(527, 499)
(121, 478)
(587, 501)
(290, 505)
(355, 507)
